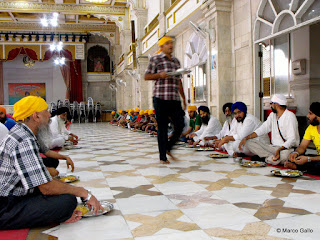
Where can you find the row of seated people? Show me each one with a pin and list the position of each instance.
(136, 119)
(53, 137)
(242, 134)
(29, 196)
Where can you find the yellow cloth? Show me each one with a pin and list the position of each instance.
(113, 112)
(141, 112)
(150, 112)
(313, 135)
(120, 111)
(137, 110)
(162, 41)
(27, 106)
(192, 108)
(146, 111)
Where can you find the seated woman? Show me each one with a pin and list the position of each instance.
(297, 160)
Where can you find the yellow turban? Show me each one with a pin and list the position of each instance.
(146, 111)
(137, 110)
(113, 112)
(120, 111)
(150, 112)
(27, 106)
(162, 41)
(141, 112)
(192, 108)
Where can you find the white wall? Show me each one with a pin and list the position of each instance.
(153, 7)
(42, 72)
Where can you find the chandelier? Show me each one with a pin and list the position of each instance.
(97, 1)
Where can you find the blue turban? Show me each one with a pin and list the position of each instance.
(204, 109)
(239, 105)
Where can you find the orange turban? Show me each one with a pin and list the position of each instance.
(27, 106)
(2, 109)
(192, 108)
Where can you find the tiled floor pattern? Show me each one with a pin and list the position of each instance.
(194, 198)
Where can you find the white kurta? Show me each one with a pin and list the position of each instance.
(240, 130)
(225, 128)
(288, 125)
(213, 128)
(59, 133)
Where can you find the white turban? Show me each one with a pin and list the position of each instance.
(279, 98)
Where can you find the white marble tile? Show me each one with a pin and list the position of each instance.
(153, 171)
(190, 235)
(253, 181)
(203, 176)
(174, 187)
(126, 181)
(116, 167)
(304, 227)
(100, 227)
(218, 216)
(309, 202)
(145, 204)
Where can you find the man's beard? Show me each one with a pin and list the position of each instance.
(239, 119)
(61, 124)
(3, 120)
(314, 122)
(229, 119)
(44, 135)
(205, 120)
(274, 110)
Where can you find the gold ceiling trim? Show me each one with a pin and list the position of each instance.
(62, 8)
(62, 27)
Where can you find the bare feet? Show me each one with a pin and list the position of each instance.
(290, 165)
(164, 162)
(172, 157)
(76, 216)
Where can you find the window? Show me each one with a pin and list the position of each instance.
(200, 83)
(276, 66)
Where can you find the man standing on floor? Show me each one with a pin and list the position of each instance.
(166, 96)
(283, 126)
(29, 197)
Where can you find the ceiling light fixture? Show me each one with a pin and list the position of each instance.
(53, 20)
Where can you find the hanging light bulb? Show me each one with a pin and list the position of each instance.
(56, 61)
(62, 61)
(52, 47)
(44, 22)
(54, 22)
(55, 15)
(59, 46)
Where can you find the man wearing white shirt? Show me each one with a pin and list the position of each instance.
(214, 140)
(58, 130)
(211, 126)
(3, 131)
(245, 124)
(283, 126)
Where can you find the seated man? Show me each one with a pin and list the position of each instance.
(210, 126)
(245, 124)
(144, 120)
(29, 197)
(123, 121)
(283, 126)
(51, 161)
(8, 122)
(152, 125)
(134, 117)
(58, 129)
(297, 160)
(194, 123)
(114, 116)
(215, 140)
(3, 131)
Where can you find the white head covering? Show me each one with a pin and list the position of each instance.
(279, 98)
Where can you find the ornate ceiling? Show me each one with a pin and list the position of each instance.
(74, 15)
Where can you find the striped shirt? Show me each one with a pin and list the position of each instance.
(21, 166)
(165, 88)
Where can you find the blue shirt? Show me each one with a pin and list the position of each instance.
(9, 123)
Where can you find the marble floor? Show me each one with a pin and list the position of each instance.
(196, 197)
